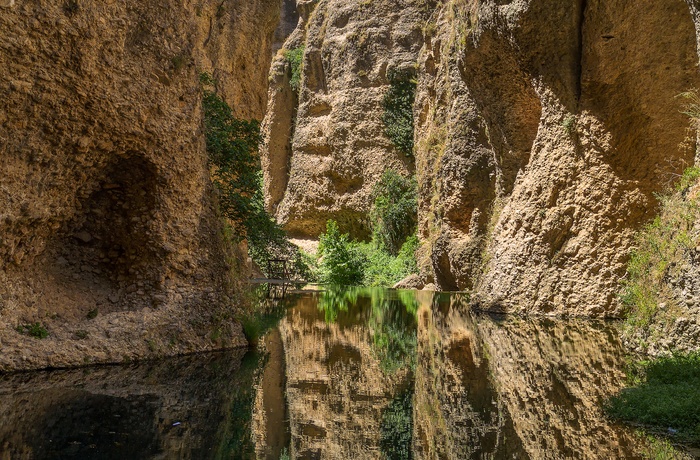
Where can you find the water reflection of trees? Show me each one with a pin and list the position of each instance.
(389, 315)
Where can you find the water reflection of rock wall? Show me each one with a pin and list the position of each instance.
(336, 390)
(187, 408)
(487, 388)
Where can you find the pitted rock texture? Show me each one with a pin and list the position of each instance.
(107, 205)
(325, 147)
(543, 131)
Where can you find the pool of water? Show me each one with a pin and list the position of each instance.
(342, 374)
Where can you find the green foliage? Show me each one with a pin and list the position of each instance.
(285, 454)
(662, 249)
(295, 59)
(384, 269)
(660, 449)
(397, 427)
(346, 262)
(689, 177)
(390, 256)
(691, 107)
(341, 262)
(232, 146)
(35, 330)
(394, 215)
(92, 314)
(665, 394)
(398, 110)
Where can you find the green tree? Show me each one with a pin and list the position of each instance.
(398, 110)
(341, 260)
(232, 146)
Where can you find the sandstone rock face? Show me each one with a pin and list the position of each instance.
(106, 199)
(543, 131)
(325, 146)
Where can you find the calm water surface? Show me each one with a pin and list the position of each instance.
(342, 374)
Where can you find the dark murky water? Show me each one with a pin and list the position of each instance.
(346, 374)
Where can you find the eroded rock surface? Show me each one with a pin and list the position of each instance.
(107, 206)
(325, 147)
(543, 131)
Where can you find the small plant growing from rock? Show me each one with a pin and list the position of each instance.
(295, 59)
(35, 330)
(81, 334)
(92, 314)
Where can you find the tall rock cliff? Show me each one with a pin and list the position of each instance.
(109, 236)
(324, 144)
(543, 130)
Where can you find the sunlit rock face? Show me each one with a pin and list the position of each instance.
(510, 388)
(337, 383)
(195, 407)
(543, 131)
(325, 147)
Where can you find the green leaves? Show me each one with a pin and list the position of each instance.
(232, 146)
(295, 59)
(342, 262)
(394, 215)
(398, 110)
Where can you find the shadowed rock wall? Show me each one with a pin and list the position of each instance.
(106, 198)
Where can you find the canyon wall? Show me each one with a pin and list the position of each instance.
(543, 131)
(545, 128)
(109, 235)
(324, 144)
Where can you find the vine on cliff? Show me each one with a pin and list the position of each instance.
(398, 109)
(232, 146)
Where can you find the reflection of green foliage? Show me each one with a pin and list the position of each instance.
(264, 315)
(391, 318)
(665, 393)
(237, 441)
(397, 427)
